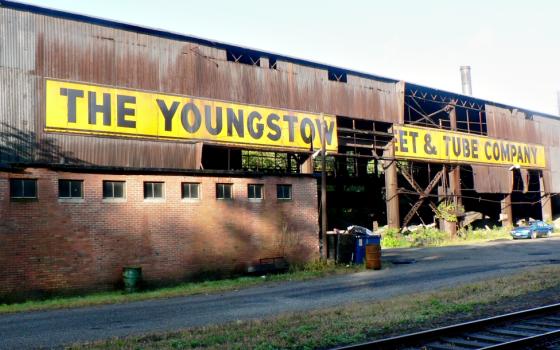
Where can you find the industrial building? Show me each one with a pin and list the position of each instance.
(122, 145)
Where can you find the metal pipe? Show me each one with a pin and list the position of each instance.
(466, 80)
(558, 99)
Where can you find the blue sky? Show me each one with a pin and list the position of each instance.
(513, 46)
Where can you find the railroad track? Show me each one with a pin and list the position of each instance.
(537, 328)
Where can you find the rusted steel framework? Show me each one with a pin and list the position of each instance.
(58, 45)
(433, 108)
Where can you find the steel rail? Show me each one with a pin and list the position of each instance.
(424, 337)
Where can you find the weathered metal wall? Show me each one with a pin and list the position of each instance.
(514, 125)
(35, 46)
(492, 179)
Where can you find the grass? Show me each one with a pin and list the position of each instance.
(350, 323)
(310, 270)
(431, 237)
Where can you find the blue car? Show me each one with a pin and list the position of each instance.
(533, 230)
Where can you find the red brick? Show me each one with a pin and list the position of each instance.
(52, 246)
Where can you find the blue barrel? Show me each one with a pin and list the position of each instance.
(360, 247)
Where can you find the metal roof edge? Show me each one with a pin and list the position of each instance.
(227, 46)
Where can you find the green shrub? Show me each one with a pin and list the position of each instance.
(392, 238)
(427, 236)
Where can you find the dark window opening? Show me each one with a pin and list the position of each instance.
(153, 190)
(224, 191)
(337, 75)
(190, 190)
(284, 191)
(23, 188)
(70, 188)
(272, 63)
(113, 189)
(255, 191)
(434, 109)
(243, 58)
(268, 161)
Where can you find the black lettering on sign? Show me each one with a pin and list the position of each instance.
(527, 154)
(291, 126)
(272, 123)
(496, 151)
(328, 131)
(307, 130)
(185, 120)
(519, 154)
(235, 121)
(413, 135)
(534, 153)
(487, 150)
(72, 95)
(505, 152)
(474, 148)
(446, 139)
(456, 146)
(466, 148)
(94, 108)
(402, 141)
(513, 152)
(168, 113)
(208, 120)
(257, 132)
(428, 148)
(123, 111)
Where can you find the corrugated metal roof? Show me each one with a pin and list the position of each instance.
(227, 46)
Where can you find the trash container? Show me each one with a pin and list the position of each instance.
(373, 256)
(132, 276)
(360, 247)
(340, 247)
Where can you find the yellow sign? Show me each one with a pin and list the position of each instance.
(93, 109)
(455, 147)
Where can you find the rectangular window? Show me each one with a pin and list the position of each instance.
(113, 189)
(153, 190)
(23, 188)
(190, 190)
(255, 191)
(70, 189)
(284, 191)
(224, 191)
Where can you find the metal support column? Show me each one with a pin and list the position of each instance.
(455, 185)
(307, 166)
(454, 178)
(506, 215)
(391, 186)
(546, 205)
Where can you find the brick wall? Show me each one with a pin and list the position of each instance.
(48, 245)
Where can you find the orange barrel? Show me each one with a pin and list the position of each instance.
(373, 256)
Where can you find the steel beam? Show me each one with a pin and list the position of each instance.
(506, 215)
(391, 186)
(546, 205)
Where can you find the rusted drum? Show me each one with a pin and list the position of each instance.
(373, 256)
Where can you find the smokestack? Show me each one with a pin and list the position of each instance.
(466, 80)
(558, 99)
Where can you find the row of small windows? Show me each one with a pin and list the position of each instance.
(73, 189)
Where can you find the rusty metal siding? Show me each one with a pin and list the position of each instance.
(512, 124)
(552, 176)
(35, 46)
(492, 179)
(509, 124)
